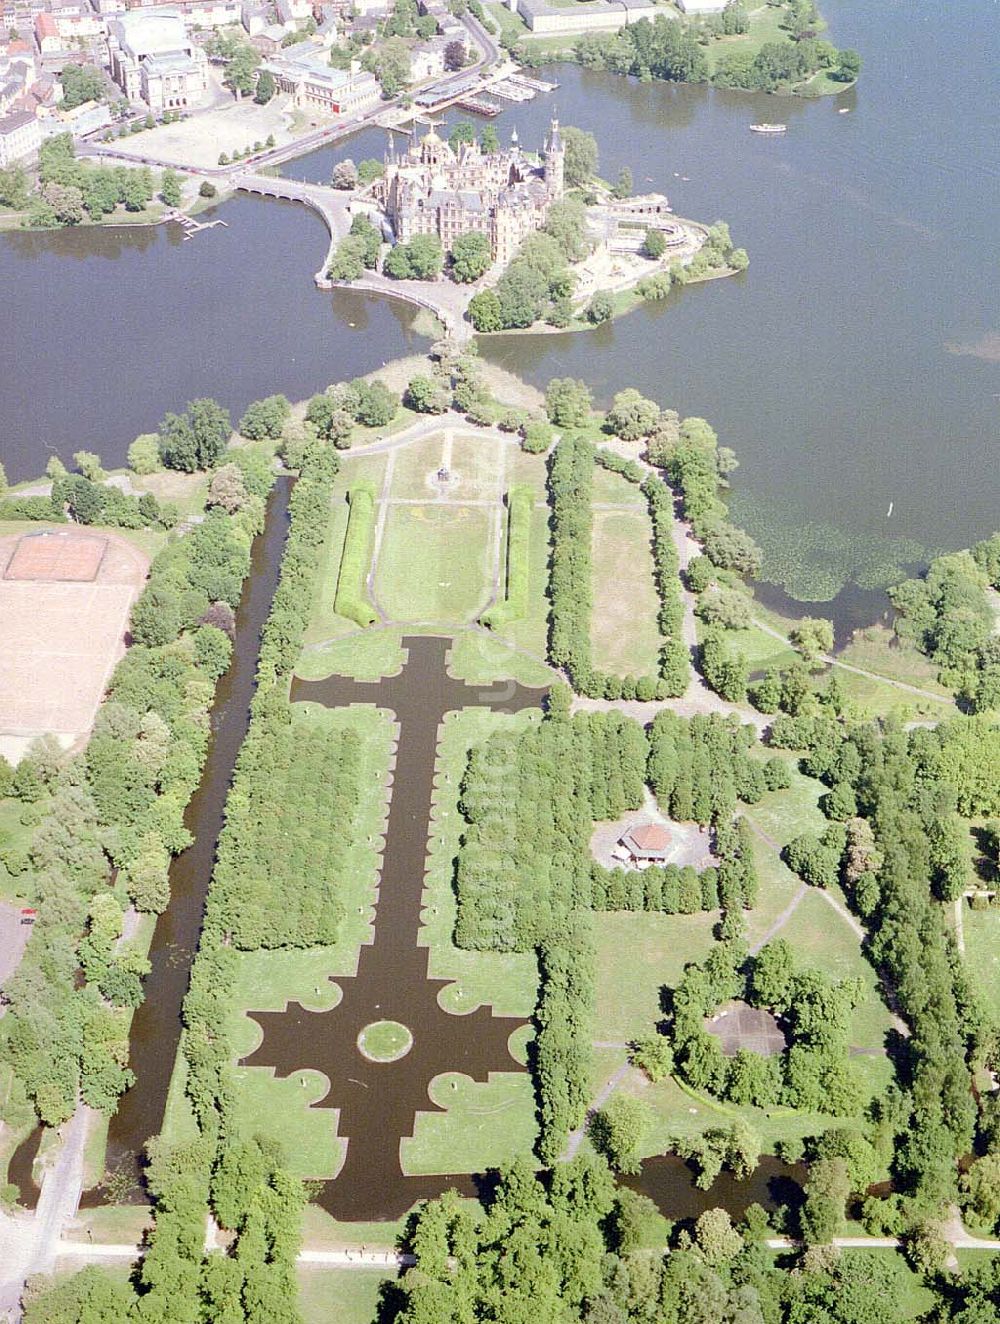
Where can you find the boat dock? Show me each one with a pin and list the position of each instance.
(479, 105)
(189, 225)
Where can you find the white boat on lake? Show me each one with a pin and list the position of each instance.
(768, 128)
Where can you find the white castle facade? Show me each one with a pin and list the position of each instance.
(435, 189)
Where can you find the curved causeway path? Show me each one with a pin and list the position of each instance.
(376, 1102)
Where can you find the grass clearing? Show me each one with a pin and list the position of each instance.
(612, 488)
(625, 636)
(280, 1110)
(658, 947)
(530, 631)
(479, 467)
(414, 467)
(321, 1231)
(766, 24)
(15, 838)
(782, 815)
(982, 954)
(339, 1296)
(436, 563)
(120, 1225)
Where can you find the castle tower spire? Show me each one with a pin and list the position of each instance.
(555, 160)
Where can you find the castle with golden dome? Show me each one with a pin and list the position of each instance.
(434, 188)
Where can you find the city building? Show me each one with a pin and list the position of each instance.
(293, 14)
(427, 61)
(433, 189)
(154, 60)
(20, 137)
(701, 6)
(314, 86)
(587, 16)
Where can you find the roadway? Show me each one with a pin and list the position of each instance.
(489, 55)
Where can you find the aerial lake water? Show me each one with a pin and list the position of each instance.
(856, 364)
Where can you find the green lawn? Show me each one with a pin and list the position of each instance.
(330, 1295)
(360, 468)
(626, 640)
(777, 886)
(321, 1231)
(612, 487)
(413, 465)
(15, 837)
(486, 1124)
(478, 656)
(982, 954)
(508, 22)
(436, 563)
(479, 468)
(324, 622)
(637, 954)
(280, 1109)
(530, 632)
(366, 655)
(783, 815)
(766, 24)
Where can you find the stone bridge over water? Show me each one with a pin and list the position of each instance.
(442, 298)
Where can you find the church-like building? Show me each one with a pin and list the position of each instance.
(433, 188)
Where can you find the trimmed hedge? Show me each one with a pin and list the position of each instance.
(351, 598)
(514, 604)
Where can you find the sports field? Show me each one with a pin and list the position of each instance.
(65, 597)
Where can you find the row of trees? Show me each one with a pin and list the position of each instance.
(699, 767)
(898, 857)
(289, 819)
(121, 804)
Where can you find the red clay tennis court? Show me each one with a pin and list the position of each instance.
(65, 597)
(57, 555)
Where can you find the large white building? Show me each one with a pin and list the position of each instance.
(154, 60)
(314, 86)
(542, 16)
(20, 137)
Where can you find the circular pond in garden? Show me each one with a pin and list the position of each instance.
(384, 1041)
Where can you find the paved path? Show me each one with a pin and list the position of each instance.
(603, 1095)
(29, 1245)
(344, 1259)
(832, 661)
(960, 924)
(782, 919)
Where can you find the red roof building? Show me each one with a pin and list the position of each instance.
(647, 841)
